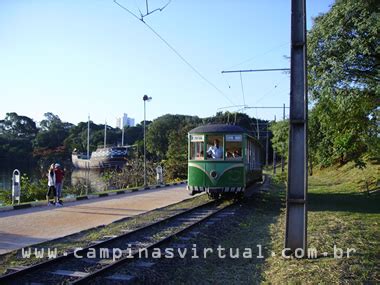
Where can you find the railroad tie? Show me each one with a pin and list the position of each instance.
(17, 268)
(194, 233)
(188, 219)
(97, 261)
(109, 237)
(136, 243)
(121, 277)
(95, 242)
(70, 273)
(178, 245)
(184, 238)
(126, 231)
(226, 214)
(216, 219)
(144, 264)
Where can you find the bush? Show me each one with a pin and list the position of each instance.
(33, 190)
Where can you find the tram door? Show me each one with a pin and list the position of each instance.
(197, 166)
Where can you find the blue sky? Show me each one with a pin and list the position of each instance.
(75, 57)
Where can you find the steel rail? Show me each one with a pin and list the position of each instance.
(126, 259)
(63, 258)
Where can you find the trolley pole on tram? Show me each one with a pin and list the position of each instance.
(296, 211)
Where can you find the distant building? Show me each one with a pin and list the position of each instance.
(125, 121)
(118, 123)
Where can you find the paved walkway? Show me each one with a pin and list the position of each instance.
(20, 228)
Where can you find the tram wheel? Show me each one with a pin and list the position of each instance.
(213, 196)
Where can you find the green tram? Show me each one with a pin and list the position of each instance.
(222, 159)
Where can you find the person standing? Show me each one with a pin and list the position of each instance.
(59, 174)
(215, 151)
(51, 185)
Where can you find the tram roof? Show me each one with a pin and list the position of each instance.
(218, 128)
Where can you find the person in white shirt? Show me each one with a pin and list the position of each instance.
(215, 151)
(51, 185)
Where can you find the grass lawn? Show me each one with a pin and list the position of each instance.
(340, 213)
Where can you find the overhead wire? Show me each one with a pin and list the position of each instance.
(175, 51)
(260, 55)
(138, 8)
(225, 79)
(151, 12)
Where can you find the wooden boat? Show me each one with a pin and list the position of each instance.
(103, 157)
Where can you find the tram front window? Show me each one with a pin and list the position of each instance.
(215, 147)
(234, 147)
(197, 147)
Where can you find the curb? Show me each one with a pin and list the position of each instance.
(22, 206)
(6, 208)
(79, 198)
(90, 196)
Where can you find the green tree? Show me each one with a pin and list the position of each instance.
(16, 135)
(280, 139)
(53, 132)
(18, 126)
(159, 130)
(343, 78)
(133, 134)
(176, 164)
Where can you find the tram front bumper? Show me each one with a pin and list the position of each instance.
(215, 189)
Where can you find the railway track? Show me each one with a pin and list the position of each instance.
(83, 265)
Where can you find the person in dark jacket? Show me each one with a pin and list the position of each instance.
(59, 175)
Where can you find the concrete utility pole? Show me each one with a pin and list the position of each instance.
(296, 212)
(267, 148)
(258, 129)
(283, 146)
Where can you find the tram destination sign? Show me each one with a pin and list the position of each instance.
(234, 138)
(197, 138)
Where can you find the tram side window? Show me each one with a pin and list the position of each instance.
(197, 147)
(234, 145)
(215, 147)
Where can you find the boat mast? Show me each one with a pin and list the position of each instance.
(105, 134)
(88, 137)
